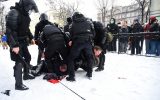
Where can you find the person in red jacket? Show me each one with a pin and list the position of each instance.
(152, 40)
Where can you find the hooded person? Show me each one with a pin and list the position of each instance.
(113, 29)
(152, 40)
(19, 35)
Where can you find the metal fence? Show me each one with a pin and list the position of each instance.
(140, 34)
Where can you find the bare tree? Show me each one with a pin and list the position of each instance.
(112, 9)
(102, 7)
(62, 9)
(143, 4)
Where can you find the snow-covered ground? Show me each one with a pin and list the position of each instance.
(125, 77)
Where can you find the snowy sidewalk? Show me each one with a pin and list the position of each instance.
(125, 78)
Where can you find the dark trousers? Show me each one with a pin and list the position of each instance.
(51, 50)
(18, 73)
(136, 45)
(75, 51)
(19, 63)
(101, 60)
(112, 45)
(39, 56)
(40, 51)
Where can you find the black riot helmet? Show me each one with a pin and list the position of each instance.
(28, 5)
(77, 15)
(43, 17)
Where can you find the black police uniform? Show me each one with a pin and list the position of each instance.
(101, 41)
(54, 42)
(18, 34)
(82, 33)
(38, 29)
(66, 27)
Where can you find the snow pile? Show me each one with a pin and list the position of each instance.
(125, 77)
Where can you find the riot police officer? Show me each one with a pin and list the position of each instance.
(82, 33)
(101, 41)
(38, 29)
(18, 34)
(54, 42)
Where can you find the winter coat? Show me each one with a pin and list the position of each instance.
(137, 28)
(112, 27)
(124, 30)
(39, 28)
(52, 34)
(152, 26)
(18, 32)
(100, 37)
(17, 27)
(82, 29)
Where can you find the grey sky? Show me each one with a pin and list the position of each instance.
(87, 7)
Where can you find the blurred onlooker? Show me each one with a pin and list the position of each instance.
(113, 28)
(4, 41)
(152, 40)
(136, 41)
(123, 40)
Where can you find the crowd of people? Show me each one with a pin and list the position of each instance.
(82, 43)
(135, 42)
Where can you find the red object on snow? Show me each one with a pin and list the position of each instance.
(54, 81)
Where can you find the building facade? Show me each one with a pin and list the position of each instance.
(155, 8)
(128, 13)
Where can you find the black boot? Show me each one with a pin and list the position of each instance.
(89, 76)
(21, 87)
(99, 69)
(71, 79)
(28, 76)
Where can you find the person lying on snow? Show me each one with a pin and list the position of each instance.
(60, 69)
(81, 61)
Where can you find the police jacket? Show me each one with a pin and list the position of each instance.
(17, 26)
(82, 29)
(39, 28)
(100, 37)
(52, 34)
